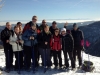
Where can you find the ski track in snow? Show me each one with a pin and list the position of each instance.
(95, 60)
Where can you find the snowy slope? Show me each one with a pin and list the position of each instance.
(95, 60)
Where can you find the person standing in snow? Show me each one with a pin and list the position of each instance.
(78, 43)
(17, 46)
(5, 35)
(56, 48)
(44, 46)
(67, 47)
(30, 40)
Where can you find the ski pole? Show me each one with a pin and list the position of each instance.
(18, 59)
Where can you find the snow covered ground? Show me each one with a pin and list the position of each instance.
(95, 60)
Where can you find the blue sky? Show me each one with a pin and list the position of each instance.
(50, 9)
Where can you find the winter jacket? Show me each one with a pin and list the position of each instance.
(41, 28)
(26, 37)
(28, 25)
(55, 42)
(52, 30)
(5, 35)
(78, 37)
(67, 43)
(15, 46)
(42, 38)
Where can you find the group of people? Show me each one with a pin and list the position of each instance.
(33, 41)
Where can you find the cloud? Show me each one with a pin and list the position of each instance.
(77, 3)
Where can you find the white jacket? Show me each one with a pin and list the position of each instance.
(15, 46)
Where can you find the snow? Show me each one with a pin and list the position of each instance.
(95, 60)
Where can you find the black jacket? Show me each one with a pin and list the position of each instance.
(5, 35)
(78, 37)
(52, 30)
(42, 38)
(67, 43)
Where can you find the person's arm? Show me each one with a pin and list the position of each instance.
(12, 40)
(3, 36)
(82, 38)
(71, 42)
(25, 35)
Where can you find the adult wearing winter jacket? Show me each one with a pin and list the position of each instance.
(5, 35)
(29, 24)
(67, 47)
(53, 27)
(41, 27)
(56, 48)
(44, 45)
(17, 45)
(30, 40)
(78, 40)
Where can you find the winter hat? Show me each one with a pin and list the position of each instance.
(63, 29)
(74, 24)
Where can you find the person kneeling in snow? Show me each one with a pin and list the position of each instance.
(67, 47)
(17, 43)
(56, 48)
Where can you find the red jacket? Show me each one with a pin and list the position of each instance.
(28, 25)
(55, 43)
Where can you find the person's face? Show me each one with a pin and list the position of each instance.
(63, 32)
(56, 32)
(75, 28)
(34, 20)
(44, 23)
(19, 25)
(33, 27)
(46, 29)
(54, 25)
(8, 26)
(17, 30)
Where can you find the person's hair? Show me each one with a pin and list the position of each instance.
(74, 24)
(7, 23)
(43, 20)
(15, 27)
(34, 17)
(19, 23)
(46, 26)
(56, 29)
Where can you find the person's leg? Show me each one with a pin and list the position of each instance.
(60, 58)
(55, 58)
(41, 51)
(72, 59)
(74, 54)
(36, 56)
(66, 59)
(49, 63)
(21, 59)
(11, 56)
(79, 56)
(16, 61)
(6, 56)
(28, 52)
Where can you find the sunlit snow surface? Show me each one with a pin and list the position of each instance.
(95, 60)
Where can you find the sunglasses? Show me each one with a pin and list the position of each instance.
(56, 31)
(34, 19)
(43, 22)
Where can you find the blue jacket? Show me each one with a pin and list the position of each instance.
(26, 37)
